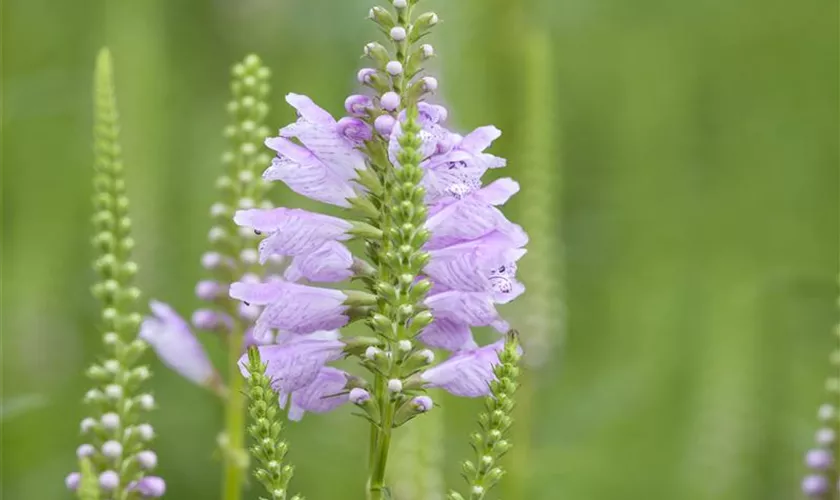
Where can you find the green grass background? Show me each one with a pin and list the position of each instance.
(697, 223)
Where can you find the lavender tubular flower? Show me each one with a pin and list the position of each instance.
(110, 460)
(439, 253)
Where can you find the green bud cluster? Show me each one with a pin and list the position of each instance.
(268, 448)
(241, 185)
(117, 376)
(489, 443)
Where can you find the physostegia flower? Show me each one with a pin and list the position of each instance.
(439, 254)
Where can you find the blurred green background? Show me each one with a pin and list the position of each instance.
(696, 221)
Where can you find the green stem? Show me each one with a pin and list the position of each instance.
(377, 489)
(234, 421)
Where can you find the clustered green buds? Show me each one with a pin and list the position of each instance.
(268, 448)
(490, 443)
(116, 438)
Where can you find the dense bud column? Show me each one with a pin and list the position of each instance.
(400, 211)
(268, 448)
(234, 251)
(821, 481)
(115, 444)
(490, 443)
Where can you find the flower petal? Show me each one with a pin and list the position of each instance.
(468, 373)
(311, 179)
(480, 139)
(471, 308)
(498, 192)
(176, 346)
(294, 308)
(308, 110)
(448, 334)
(294, 365)
(321, 396)
(328, 264)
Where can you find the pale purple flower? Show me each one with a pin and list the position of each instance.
(430, 83)
(85, 450)
(487, 264)
(292, 231)
(364, 75)
(149, 487)
(291, 307)
(322, 395)
(297, 362)
(471, 308)
(176, 346)
(448, 334)
(819, 459)
(329, 263)
(468, 373)
(325, 163)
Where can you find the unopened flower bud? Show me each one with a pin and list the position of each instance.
(113, 391)
(398, 33)
(827, 413)
(208, 290)
(85, 450)
(394, 68)
(384, 124)
(430, 83)
(249, 255)
(357, 105)
(423, 403)
(815, 485)
(87, 425)
(365, 74)
(109, 480)
(211, 260)
(400, 4)
(145, 431)
(146, 401)
(390, 101)
(427, 50)
(818, 459)
(395, 385)
(358, 396)
(404, 345)
(372, 352)
(354, 129)
(110, 421)
(112, 449)
(72, 481)
(147, 459)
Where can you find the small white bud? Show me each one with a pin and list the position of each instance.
(216, 234)
(246, 203)
(87, 425)
(430, 83)
(487, 460)
(428, 50)
(827, 413)
(428, 355)
(92, 395)
(398, 33)
(147, 459)
(247, 233)
(404, 345)
(85, 450)
(110, 421)
(395, 385)
(218, 210)
(111, 365)
(249, 255)
(112, 449)
(400, 4)
(371, 352)
(477, 490)
(246, 176)
(142, 373)
(394, 68)
(146, 401)
(113, 391)
(266, 205)
(110, 338)
(145, 431)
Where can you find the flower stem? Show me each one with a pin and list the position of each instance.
(377, 489)
(234, 421)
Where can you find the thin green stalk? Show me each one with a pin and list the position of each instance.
(234, 421)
